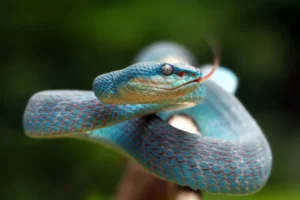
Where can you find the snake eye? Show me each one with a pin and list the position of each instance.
(167, 69)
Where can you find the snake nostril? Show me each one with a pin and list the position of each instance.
(194, 75)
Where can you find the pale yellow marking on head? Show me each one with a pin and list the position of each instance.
(137, 97)
(157, 81)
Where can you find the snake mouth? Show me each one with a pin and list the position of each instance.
(198, 80)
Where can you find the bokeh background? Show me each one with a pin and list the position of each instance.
(66, 44)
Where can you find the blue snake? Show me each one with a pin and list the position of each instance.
(128, 109)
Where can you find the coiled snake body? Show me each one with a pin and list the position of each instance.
(128, 109)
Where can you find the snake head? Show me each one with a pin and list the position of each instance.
(148, 82)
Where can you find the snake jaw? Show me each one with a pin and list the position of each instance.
(198, 80)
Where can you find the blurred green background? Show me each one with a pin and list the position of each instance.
(66, 44)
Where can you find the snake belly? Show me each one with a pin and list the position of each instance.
(231, 156)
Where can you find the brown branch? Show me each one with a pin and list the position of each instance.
(138, 184)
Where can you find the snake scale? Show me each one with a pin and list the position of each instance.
(128, 109)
